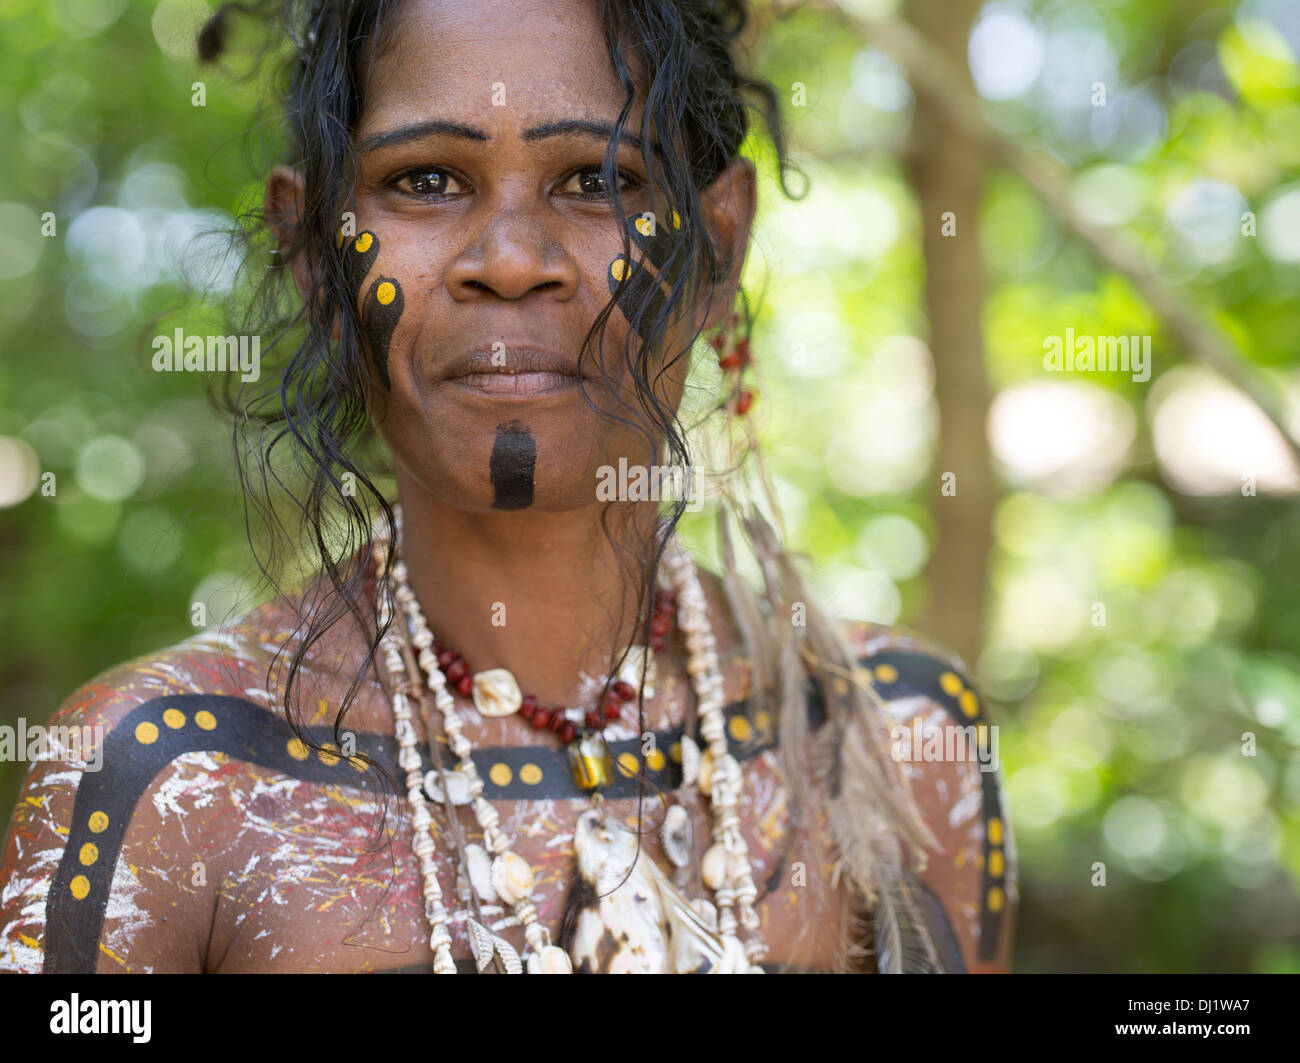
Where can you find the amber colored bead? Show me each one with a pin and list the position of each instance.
(717, 341)
(591, 763)
(661, 624)
(593, 719)
(731, 361)
(568, 733)
(528, 706)
(557, 721)
(456, 671)
(743, 402)
(612, 712)
(625, 690)
(742, 351)
(657, 643)
(466, 685)
(541, 718)
(438, 648)
(445, 659)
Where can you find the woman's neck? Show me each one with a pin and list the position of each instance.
(544, 595)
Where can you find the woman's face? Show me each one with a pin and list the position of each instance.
(486, 245)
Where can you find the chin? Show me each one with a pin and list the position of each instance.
(509, 462)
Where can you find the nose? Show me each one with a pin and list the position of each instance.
(513, 257)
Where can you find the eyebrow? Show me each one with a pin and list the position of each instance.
(592, 130)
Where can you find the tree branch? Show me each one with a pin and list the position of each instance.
(932, 75)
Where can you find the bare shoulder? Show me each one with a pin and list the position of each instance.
(942, 734)
(106, 856)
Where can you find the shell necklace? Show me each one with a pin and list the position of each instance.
(725, 868)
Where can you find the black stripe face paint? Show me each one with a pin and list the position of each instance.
(511, 468)
(379, 316)
(382, 307)
(656, 237)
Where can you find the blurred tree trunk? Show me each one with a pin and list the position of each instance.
(947, 172)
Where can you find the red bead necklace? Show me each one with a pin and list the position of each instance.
(460, 676)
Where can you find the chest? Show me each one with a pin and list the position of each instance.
(324, 878)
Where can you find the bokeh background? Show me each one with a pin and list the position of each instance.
(1117, 560)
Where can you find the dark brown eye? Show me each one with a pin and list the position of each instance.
(426, 183)
(423, 183)
(591, 185)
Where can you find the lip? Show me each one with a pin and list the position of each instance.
(513, 371)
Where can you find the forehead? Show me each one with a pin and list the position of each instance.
(451, 58)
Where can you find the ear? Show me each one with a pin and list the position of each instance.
(283, 203)
(728, 205)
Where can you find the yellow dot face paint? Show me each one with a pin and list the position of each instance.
(381, 307)
(643, 295)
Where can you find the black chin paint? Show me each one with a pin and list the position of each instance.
(513, 456)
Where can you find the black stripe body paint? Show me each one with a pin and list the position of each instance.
(105, 801)
(513, 456)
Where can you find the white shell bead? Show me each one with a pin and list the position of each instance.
(706, 911)
(512, 877)
(551, 960)
(479, 866)
(714, 867)
(486, 815)
(496, 693)
(457, 783)
(676, 835)
(705, 773)
(690, 761)
(728, 768)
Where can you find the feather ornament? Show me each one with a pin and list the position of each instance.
(871, 813)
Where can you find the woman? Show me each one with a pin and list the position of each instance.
(508, 225)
